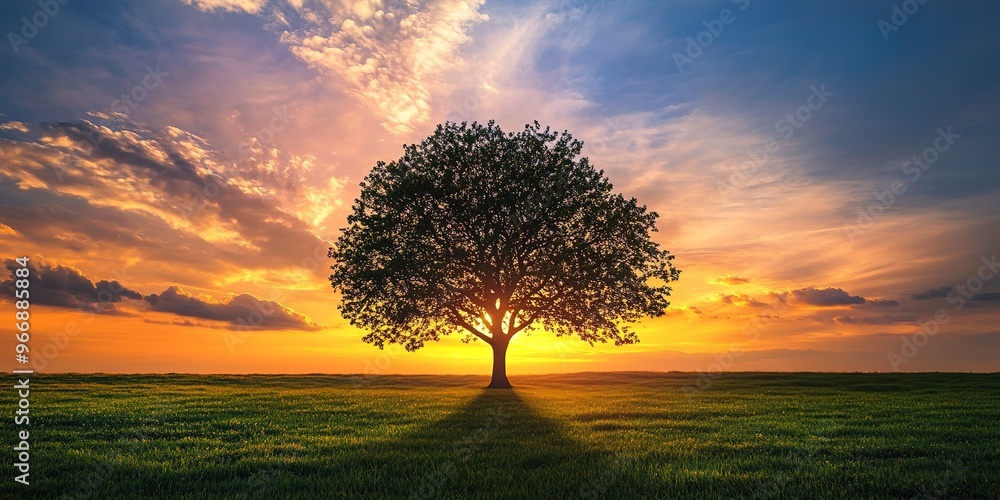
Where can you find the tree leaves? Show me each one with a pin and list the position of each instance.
(490, 233)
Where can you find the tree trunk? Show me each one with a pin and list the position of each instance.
(499, 380)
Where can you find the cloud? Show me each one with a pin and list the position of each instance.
(874, 320)
(931, 293)
(986, 297)
(242, 310)
(826, 297)
(14, 125)
(67, 287)
(390, 53)
(163, 188)
(6, 230)
(250, 6)
(729, 279)
(882, 302)
(674, 140)
(741, 299)
(830, 297)
(184, 323)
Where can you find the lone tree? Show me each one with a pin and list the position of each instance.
(491, 234)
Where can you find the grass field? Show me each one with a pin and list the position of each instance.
(620, 435)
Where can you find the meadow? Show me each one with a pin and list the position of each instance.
(590, 435)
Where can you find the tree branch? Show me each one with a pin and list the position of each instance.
(472, 298)
(513, 318)
(465, 324)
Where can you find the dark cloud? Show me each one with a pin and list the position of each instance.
(932, 293)
(836, 297)
(238, 310)
(826, 297)
(881, 302)
(986, 297)
(874, 320)
(67, 287)
(185, 322)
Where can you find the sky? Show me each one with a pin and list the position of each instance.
(825, 173)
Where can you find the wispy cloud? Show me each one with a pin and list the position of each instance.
(390, 53)
(729, 279)
(251, 6)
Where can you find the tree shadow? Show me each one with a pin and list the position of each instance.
(494, 446)
(508, 449)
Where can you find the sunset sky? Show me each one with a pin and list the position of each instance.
(825, 172)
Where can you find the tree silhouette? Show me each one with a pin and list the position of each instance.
(492, 234)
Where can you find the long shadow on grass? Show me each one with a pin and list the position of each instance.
(494, 446)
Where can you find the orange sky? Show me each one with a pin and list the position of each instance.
(219, 189)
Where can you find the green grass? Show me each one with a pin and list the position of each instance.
(610, 435)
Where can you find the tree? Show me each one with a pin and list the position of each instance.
(491, 234)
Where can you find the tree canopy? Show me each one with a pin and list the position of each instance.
(490, 234)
